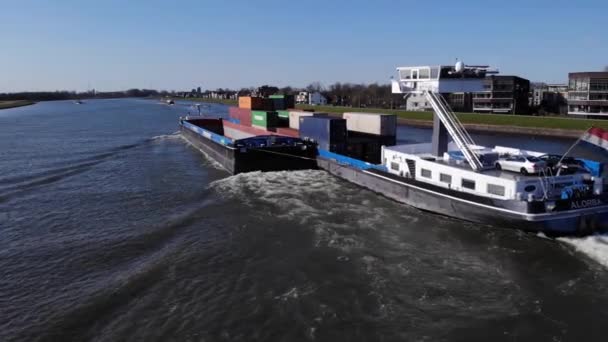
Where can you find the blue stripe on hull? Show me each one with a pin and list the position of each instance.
(344, 160)
(220, 139)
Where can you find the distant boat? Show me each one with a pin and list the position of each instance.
(78, 102)
(170, 102)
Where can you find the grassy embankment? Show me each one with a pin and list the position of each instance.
(198, 99)
(13, 104)
(526, 121)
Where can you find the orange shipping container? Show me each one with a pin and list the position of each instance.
(255, 103)
(248, 102)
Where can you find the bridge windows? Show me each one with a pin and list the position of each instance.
(419, 73)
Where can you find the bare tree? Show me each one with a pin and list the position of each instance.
(606, 68)
(315, 87)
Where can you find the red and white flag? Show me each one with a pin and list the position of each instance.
(597, 137)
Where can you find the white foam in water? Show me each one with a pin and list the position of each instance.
(596, 247)
(315, 199)
(173, 135)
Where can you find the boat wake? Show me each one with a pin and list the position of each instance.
(336, 211)
(174, 135)
(595, 247)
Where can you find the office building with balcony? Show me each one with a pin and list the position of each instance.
(459, 102)
(588, 94)
(550, 98)
(503, 95)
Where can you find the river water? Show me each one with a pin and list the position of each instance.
(113, 228)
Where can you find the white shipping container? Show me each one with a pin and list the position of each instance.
(294, 118)
(371, 123)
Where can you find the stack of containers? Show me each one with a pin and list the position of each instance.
(255, 103)
(264, 120)
(283, 102)
(367, 132)
(295, 115)
(240, 115)
(283, 118)
(329, 133)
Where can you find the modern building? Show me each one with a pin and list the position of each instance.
(588, 94)
(504, 95)
(417, 102)
(551, 98)
(314, 98)
(459, 102)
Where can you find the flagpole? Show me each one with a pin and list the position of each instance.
(570, 149)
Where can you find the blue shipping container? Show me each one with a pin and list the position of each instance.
(329, 133)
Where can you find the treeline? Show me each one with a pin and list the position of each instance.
(70, 95)
(338, 94)
(361, 95)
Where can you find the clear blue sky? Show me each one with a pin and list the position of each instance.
(112, 45)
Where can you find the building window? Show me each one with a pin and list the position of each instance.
(445, 178)
(468, 184)
(426, 173)
(395, 166)
(496, 189)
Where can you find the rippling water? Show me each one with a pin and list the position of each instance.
(113, 228)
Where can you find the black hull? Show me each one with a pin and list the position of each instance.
(507, 214)
(239, 160)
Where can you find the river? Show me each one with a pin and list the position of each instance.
(113, 228)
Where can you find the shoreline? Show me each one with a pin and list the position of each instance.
(548, 126)
(15, 104)
(516, 130)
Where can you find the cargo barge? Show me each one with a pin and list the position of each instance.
(460, 179)
(238, 149)
(582, 215)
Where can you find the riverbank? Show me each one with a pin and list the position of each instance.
(13, 104)
(198, 99)
(559, 127)
(500, 123)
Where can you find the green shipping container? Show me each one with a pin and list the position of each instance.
(264, 119)
(283, 118)
(282, 102)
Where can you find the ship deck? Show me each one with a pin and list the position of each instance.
(511, 175)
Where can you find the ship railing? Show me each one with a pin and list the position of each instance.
(456, 120)
(455, 128)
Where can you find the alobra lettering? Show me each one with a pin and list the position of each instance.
(585, 203)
